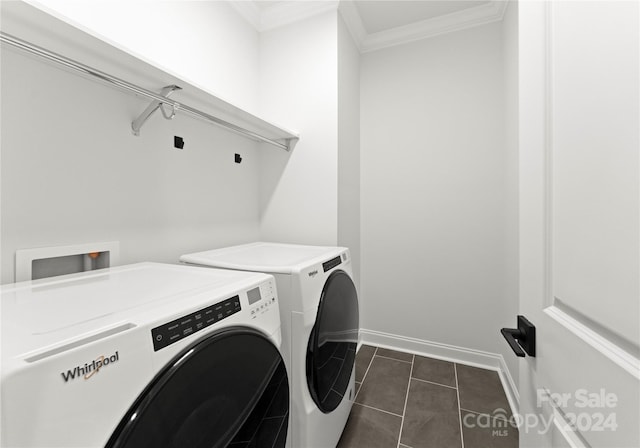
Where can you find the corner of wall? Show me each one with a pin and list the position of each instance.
(299, 86)
(349, 145)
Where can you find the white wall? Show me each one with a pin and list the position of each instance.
(349, 146)
(434, 172)
(509, 305)
(204, 42)
(288, 75)
(298, 86)
(72, 172)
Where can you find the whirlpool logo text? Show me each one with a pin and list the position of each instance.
(90, 368)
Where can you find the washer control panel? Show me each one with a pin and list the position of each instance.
(261, 299)
(178, 329)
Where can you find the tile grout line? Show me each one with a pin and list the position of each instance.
(406, 399)
(394, 359)
(455, 370)
(431, 382)
(378, 409)
(364, 377)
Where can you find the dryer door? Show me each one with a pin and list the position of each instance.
(227, 389)
(332, 345)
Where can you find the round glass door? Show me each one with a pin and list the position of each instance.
(229, 389)
(332, 345)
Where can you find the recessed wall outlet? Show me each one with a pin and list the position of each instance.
(178, 142)
(32, 264)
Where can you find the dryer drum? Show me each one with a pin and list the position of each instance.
(229, 387)
(331, 350)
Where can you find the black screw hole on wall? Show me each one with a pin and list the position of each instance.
(178, 142)
(238, 158)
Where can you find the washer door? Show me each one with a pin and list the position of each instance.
(332, 345)
(228, 389)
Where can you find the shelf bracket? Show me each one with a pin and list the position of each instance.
(290, 143)
(155, 104)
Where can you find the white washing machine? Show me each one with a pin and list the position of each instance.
(319, 314)
(145, 355)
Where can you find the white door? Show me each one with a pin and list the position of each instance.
(580, 222)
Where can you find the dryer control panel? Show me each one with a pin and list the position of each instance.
(261, 299)
(177, 329)
(328, 265)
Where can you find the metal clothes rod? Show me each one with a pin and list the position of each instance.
(85, 69)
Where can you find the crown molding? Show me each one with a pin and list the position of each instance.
(460, 20)
(249, 11)
(281, 14)
(352, 20)
(287, 12)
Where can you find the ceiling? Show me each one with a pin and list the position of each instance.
(376, 24)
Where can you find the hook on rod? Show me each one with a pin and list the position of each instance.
(168, 116)
(151, 108)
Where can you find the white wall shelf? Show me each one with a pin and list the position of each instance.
(54, 39)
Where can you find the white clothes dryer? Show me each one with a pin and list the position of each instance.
(320, 322)
(145, 355)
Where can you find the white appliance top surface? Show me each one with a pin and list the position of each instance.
(264, 257)
(56, 308)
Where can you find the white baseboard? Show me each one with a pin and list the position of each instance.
(445, 352)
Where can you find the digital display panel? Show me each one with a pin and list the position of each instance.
(253, 295)
(178, 329)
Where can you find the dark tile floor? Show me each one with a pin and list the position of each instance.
(409, 401)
